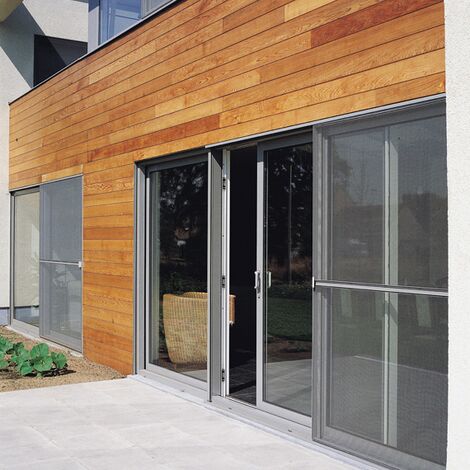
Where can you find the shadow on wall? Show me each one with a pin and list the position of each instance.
(17, 45)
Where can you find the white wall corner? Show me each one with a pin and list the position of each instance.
(457, 21)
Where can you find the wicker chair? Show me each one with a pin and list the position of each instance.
(185, 324)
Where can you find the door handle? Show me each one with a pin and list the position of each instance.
(268, 280)
(257, 281)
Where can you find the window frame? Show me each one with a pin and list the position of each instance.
(21, 326)
(148, 168)
(103, 27)
(146, 9)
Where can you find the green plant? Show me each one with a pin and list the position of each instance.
(38, 361)
(6, 347)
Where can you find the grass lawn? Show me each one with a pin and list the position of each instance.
(290, 318)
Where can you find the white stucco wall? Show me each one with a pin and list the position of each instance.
(67, 19)
(458, 145)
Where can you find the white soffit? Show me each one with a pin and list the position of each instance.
(7, 7)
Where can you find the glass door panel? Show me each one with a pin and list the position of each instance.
(396, 402)
(355, 362)
(287, 274)
(60, 265)
(177, 338)
(357, 200)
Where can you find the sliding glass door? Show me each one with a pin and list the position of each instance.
(331, 252)
(177, 220)
(268, 272)
(383, 293)
(285, 266)
(61, 262)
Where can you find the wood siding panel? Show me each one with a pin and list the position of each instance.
(203, 72)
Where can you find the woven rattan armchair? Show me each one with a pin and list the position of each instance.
(185, 324)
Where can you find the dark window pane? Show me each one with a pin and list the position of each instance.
(357, 206)
(288, 260)
(178, 331)
(421, 199)
(53, 54)
(242, 305)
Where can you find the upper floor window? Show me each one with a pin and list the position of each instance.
(116, 16)
(150, 5)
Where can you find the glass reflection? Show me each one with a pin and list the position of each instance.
(116, 16)
(357, 201)
(418, 149)
(388, 380)
(288, 259)
(62, 293)
(356, 395)
(178, 324)
(26, 258)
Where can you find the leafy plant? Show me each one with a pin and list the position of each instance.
(38, 361)
(5, 345)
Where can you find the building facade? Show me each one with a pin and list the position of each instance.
(37, 38)
(254, 199)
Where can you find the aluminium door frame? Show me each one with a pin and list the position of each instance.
(273, 142)
(143, 235)
(261, 246)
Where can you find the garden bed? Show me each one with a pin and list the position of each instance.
(79, 369)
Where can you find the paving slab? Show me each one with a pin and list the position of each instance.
(127, 424)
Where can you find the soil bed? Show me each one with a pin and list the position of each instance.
(79, 369)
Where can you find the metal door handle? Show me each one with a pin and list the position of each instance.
(268, 281)
(257, 281)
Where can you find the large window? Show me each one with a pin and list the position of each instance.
(385, 300)
(118, 15)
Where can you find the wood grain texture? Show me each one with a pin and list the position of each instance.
(202, 72)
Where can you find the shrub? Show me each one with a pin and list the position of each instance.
(38, 361)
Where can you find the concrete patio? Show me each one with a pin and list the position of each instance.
(127, 424)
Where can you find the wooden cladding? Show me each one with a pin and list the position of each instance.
(202, 72)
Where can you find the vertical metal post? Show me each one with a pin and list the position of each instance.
(392, 310)
(215, 255)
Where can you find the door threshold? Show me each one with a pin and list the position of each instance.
(250, 415)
